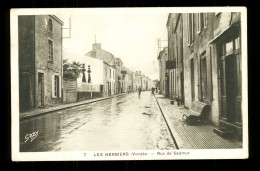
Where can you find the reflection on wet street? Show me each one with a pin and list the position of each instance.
(122, 123)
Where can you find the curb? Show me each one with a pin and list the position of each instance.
(177, 140)
(67, 107)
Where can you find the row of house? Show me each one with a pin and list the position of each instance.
(116, 77)
(41, 81)
(203, 63)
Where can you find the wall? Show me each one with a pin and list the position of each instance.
(96, 67)
(26, 61)
(69, 90)
(193, 52)
(41, 54)
(163, 56)
(106, 78)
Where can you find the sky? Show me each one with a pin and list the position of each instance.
(129, 36)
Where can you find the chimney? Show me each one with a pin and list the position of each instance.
(96, 46)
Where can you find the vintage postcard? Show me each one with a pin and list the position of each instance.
(129, 84)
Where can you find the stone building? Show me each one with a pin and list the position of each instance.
(163, 73)
(109, 79)
(40, 60)
(109, 75)
(119, 79)
(227, 72)
(175, 51)
(136, 81)
(207, 50)
(128, 80)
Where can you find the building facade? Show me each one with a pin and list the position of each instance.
(206, 48)
(109, 64)
(40, 61)
(163, 72)
(119, 79)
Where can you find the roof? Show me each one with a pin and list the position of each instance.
(56, 19)
(103, 55)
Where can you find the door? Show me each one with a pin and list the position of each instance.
(192, 80)
(230, 77)
(40, 89)
(230, 88)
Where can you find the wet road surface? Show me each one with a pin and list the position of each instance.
(122, 123)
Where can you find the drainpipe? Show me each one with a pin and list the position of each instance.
(61, 65)
(34, 65)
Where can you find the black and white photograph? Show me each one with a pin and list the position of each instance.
(129, 83)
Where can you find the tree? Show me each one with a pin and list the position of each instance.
(71, 70)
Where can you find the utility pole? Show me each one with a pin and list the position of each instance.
(68, 28)
(159, 42)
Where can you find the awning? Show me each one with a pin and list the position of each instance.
(232, 31)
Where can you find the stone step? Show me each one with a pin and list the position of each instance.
(224, 133)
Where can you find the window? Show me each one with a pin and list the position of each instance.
(50, 25)
(203, 76)
(113, 74)
(230, 72)
(205, 20)
(106, 72)
(190, 28)
(202, 21)
(50, 50)
(110, 73)
(198, 23)
(56, 86)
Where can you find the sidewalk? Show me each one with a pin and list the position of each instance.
(191, 136)
(40, 111)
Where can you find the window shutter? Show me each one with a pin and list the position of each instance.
(60, 86)
(198, 23)
(53, 86)
(199, 79)
(209, 74)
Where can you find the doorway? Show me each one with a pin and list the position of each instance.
(230, 74)
(40, 89)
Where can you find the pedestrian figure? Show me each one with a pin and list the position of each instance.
(139, 91)
(152, 90)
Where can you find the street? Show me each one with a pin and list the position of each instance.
(122, 123)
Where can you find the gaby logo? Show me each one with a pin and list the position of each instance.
(31, 136)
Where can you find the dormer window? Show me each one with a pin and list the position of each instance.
(50, 25)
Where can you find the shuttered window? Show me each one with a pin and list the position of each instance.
(50, 50)
(205, 76)
(190, 28)
(202, 21)
(203, 72)
(56, 86)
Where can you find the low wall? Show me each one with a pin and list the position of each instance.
(69, 90)
(87, 95)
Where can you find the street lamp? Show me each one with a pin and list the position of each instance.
(89, 77)
(89, 80)
(83, 77)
